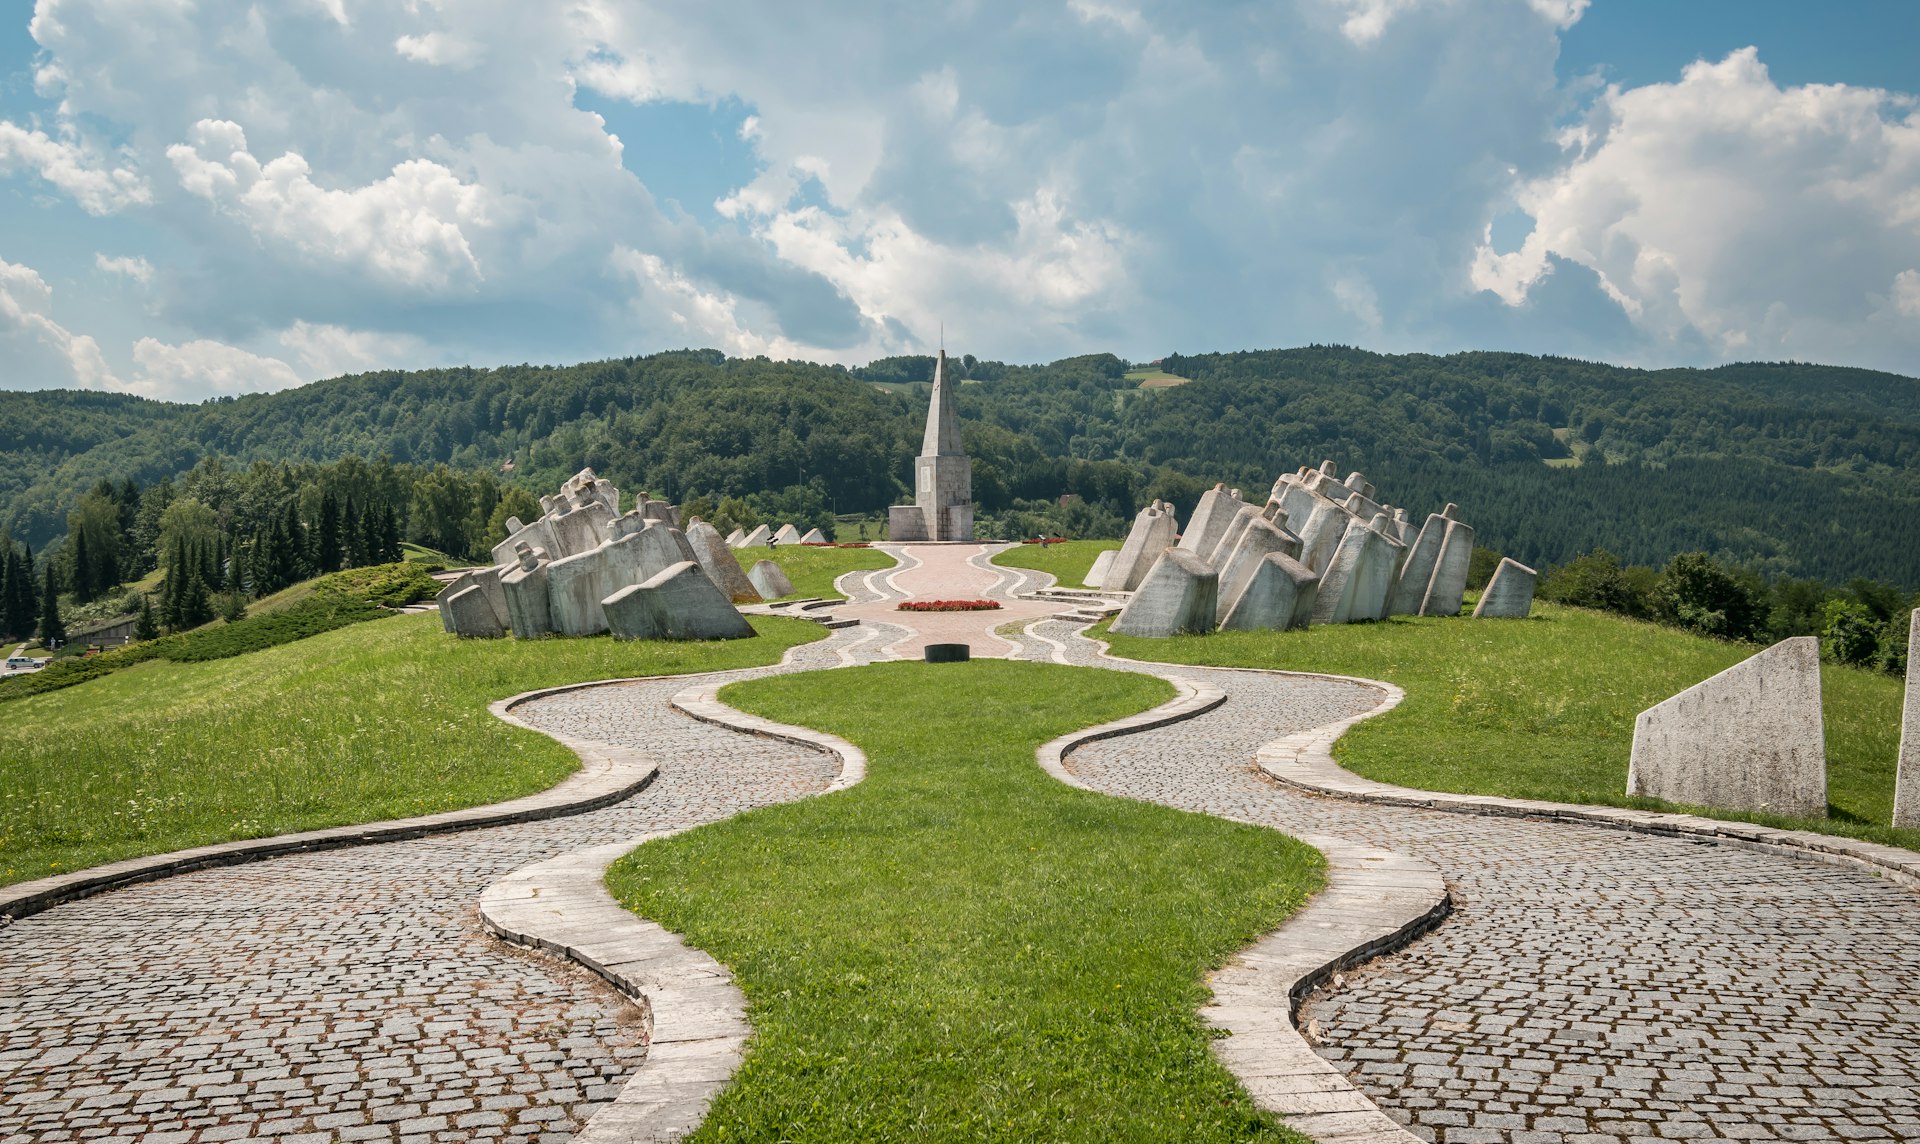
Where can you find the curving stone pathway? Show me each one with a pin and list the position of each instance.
(1592, 986)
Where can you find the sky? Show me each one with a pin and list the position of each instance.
(201, 198)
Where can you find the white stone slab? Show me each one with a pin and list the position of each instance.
(1509, 595)
(1179, 594)
(1416, 571)
(1210, 519)
(717, 561)
(787, 535)
(770, 580)
(679, 603)
(471, 615)
(1449, 581)
(757, 538)
(1097, 575)
(1906, 784)
(1152, 533)
(1279, 594)
(1750, 738)
(813, 536)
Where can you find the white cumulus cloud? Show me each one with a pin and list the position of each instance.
(325, 350)
(203, 368)
(40, 351)
(1762, 220)
(411, 228)
(97, 185)
(129, 266)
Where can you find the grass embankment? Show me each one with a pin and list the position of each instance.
(1544, 707)
(813, 570)
(379, 720)
(961, 947)
(1069, 561)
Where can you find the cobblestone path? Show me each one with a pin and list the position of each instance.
(1592, 985)
(351, 994)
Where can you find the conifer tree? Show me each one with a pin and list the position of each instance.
(82, 569)
(326, 539)
(52, 630)
(354, 532)
(146, 627)
(6, 587)
(372, 535)
(27, 599)
(389, 535)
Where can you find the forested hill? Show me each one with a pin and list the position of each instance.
(1792, 468)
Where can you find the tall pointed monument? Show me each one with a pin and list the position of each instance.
(942, 507)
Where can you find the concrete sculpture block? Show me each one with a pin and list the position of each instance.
(787, 535)
(1278, 595)
(1210, 520)
(1152, 534)
(1367, 592)
(471, 616)
(1259, 538)
(525, 587)
(459, 583)
(1906, 782)
(716, 560)
(770, 580)
(1097, 575)
(538, 534)
(676, 603)
(813, 536)
(906, 522)
(1179, 594)
(1321, 533)
(736, 537)
(1237, 526)
(1750, 738)
(1416, 571)
(574, 592)
(1341, 583)
(757, 538)
(1449, 582)
(659, 510)
(580, 529)
(1509, 595)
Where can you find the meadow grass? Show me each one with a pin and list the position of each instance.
(961, 947)
(383, 719)
(813, 570)
(1069, 561)
(1544, 707)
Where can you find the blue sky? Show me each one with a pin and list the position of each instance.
(228, 196)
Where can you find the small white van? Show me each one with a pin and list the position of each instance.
(24, 663)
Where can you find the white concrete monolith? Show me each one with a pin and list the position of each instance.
(1509, 595)
(1259, 538)
(787, 535)
(1279, 594)
(1449, 582)
(1210, 519)
(770, 580)
(1906, 782)
(525, 587)
(1321, 534)
(813, 536)
(1243, 518)
(1342, 582)
(757, 538)
(1750, 738)
(677, 603)
(1179, 594)
(471, 615)
(1097, 575)
(735, 537)
(1152, 534)
(1416, 571)
(717, 561)
(539, 534)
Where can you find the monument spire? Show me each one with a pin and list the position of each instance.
(942, 507)
(943, 421)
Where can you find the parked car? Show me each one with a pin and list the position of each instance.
(25, 663)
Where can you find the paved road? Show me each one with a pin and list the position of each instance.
(1594, 986)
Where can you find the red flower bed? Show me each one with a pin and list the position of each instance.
(1046, 540)
(831, 544)
(948, 605)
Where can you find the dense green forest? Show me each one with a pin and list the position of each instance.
(1785, 469)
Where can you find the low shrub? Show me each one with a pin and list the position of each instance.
(948, 606)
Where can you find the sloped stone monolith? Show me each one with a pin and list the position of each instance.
(678, 603)
(1152, 533)
(769, 580)
(1179, 594)
(1509, 595)
(1906, 783)
(471, 616)
(1278, 595)
(1750, 738)
(716, 560)
(787, 534)
(525, 587)
(1097, 575)
(757, 538)
(813, 536)
(1416, 571)
(1449, 582)
(1210, 519)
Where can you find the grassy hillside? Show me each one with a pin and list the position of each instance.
(1544, 707)
(382, 719)
(1069, 562)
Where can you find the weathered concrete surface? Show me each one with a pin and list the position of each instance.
(1210, 520)
(1344, 584)
(1906, 789)
(1097, 575)
(574, 594)
(1279, 594)
(1449, 582)
(1152, 533)
(735, 537)
(471, 615)
(539, 534)
(459, 583)
(1509, 595)
(1179, 594)
(813, 536)
(757, 538)
(717, 561)
(525, 588)
(1750, 738)
(905, 522)
(786, 534)
(1416, 571)
(1259, 539)
(678, 603)
(1237, 526)
(769, 580)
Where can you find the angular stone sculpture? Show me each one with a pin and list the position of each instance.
(1750, 738)
(539, 534)
(1097, 575)
(1375, 576)
(736, 537)
(757, 538)
(471, 616)
(1210, 520)
(1279, 594)
(1259, 538)
(580, 529)
(770, 580)
(1416, 571)
(485, 579)
(1509, 595)
(677, 603)
(813, 536)
(525, 587)
(1237, 525)
(1449, 582)
(1906, 782)
(787, 535)
(1152, 534)
(716, 560)
(1179, 594)
(1353, 579)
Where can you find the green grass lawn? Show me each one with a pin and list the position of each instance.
(1544, 707)
(961, 947)
(382, 719)
(813, 570)
(1069, 561)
